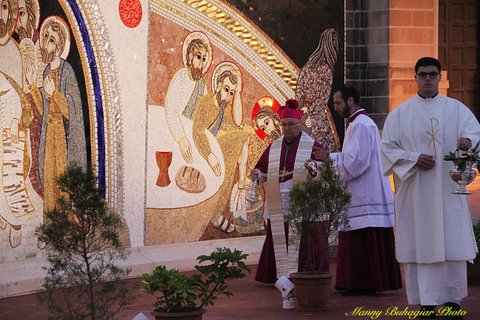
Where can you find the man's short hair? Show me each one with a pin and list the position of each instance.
(226, 74)
(61, 33)
(349, 91)
(195, 43)
(428, 61)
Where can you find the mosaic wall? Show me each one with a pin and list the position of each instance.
(214, 79)
(177, 167)
(54, 106)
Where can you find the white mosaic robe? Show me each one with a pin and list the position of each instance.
(180, 92)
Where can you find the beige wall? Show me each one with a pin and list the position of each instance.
(413, 34)
(130, 54)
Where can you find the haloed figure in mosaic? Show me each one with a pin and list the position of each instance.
(268, 121)
(10, 110)
(220, 112)
(314, 88)
(17, 199)
(28, 19)
(10, 55)
(58, 101)
(186, 88)
(8, 10)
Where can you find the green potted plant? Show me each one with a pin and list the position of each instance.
(183, 296)
(316, 207)
(473, 270)
(81, 237)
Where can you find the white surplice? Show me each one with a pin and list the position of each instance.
(359, 165)
(432, 224)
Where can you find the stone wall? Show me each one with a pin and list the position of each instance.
(413, 34)
(367, 54)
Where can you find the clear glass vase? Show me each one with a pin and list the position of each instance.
(463, 178)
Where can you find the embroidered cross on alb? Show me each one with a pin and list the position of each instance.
(433, 135)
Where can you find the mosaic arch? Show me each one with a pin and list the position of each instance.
(211, 71)
(81, 80)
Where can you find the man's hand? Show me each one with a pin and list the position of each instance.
(215, 164)
(31, 75)
(257, 175)
(464, 144)
(48, 85)
(320, 154)
(425, 162)
(14, 131)
(186, 149)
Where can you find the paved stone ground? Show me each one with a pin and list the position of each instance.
(252, 300)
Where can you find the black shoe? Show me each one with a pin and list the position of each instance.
(428, 312)
(452, 311)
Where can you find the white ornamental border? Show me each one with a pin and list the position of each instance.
(110, 93)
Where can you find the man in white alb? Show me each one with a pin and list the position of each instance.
(434, 237)
(366, 261)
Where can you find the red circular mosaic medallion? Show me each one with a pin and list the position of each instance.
(130, 12)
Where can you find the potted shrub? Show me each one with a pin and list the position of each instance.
(473, 270)
(316, 207)
(185, 297)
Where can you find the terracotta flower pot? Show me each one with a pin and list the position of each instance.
(312, 289)
(190, 315)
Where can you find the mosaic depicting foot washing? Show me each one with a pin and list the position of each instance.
(215, 81)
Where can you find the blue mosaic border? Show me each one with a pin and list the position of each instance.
(97, 93)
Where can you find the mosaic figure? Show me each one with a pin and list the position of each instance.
(187, 87)
(220, 113)
(314, 88)
(11, 59)
(268, 121)
(62, 136)
(171, 129)
(14, 116)
(27, 36)
(28, 20)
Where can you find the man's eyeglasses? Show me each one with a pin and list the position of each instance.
(431, 75)
(291, 124)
